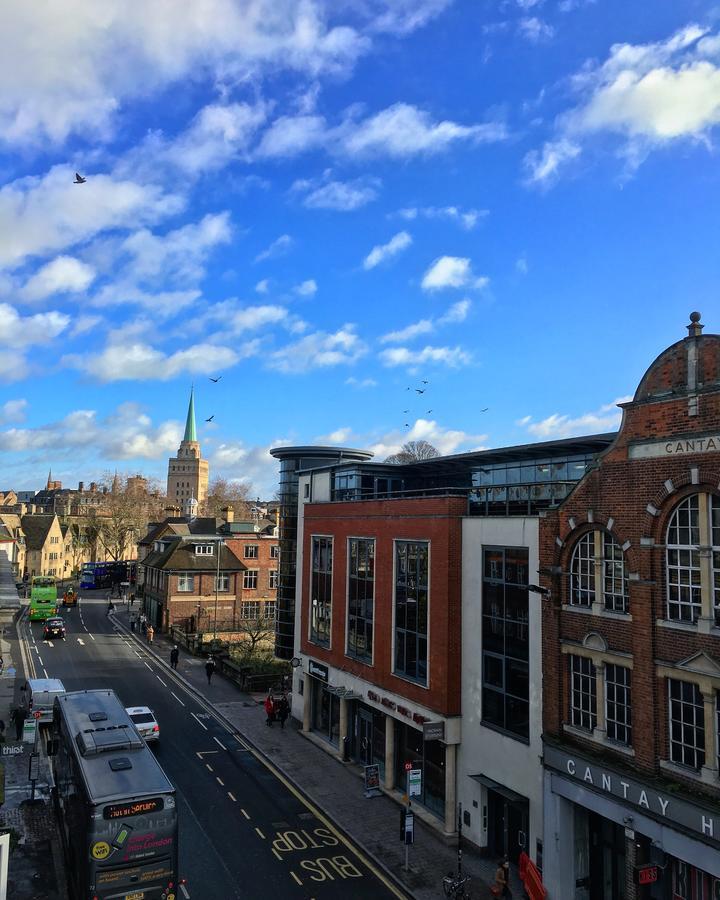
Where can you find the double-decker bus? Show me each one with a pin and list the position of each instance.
(116, 805)
(43, 598)
(106, 574)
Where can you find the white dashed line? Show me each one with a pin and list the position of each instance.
(92, 637)
(220, 781)
(209, 767)
(40, 659)
(219, 742)
(148, 665)
(198, 721)
(138, 655)
(45, 671)
(234, 799)
(176, 697)
(260, 832)
(160, 680)
(245, 814)
(184, 892)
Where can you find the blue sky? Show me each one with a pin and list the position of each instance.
(327, 202)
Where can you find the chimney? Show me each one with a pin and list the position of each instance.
(93, 487)
(81, 486)
(228, 513)
(695, 328)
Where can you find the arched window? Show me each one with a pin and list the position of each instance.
(693, 577)
(597, 573)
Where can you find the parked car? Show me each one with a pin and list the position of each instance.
(144, 720)
(54, 627)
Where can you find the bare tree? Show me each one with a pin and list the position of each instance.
(223, 492)
(257, 632)
(413, 451)
(126, 511)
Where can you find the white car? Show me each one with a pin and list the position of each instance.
(144, 720)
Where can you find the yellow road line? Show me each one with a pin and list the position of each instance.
(296, 878)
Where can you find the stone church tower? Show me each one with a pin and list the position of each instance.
(187, 472)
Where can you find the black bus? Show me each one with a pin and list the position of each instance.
(116, 806)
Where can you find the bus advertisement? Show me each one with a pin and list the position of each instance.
(116, 806)
(43, 598)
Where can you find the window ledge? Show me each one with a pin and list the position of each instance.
(600, 741)
(610, 614)
(358, 659)
(408, 680)
(570, 607)
(676, 626)
(600, 612)
(505, 733)
(704, 776)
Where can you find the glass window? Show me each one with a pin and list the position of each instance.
(222, 583)
(321, 590)
(618, 709)
(361, 597)
(275, 551)
(251, 551)
(411, 609)
(582, 571)
(273, 583)
(250, 610)
(593, 548)
(615, 583)
(583, 693)
(250, 579)
(505, 640)
(269, 609)
(186, 582)
(683, 562)
(687, 724)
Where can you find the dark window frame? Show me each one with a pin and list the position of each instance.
(411, 599)
(360, 598)
(618, 703)
(321, 564)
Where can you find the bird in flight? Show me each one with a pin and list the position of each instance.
(428, 412)
(215, 380)
(407, 425)
(485, 410)
(79, 179)
(406, 410)
(420, 390)
(210, 419)
(426, 382)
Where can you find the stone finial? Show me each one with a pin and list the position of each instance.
(695, 328)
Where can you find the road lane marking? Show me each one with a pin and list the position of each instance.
(184, 892)
(296, 878)
(81, 642)
(138, 655)
(245, 814)
(219, 742)
(220, 781)
(40, 659)
(234, 799)
(160, 680)
(209, 767)
(198, 721)
(260, 832)
(45, 672)
(174, 694)
(148, 665)
(277, 854)
(92, 637)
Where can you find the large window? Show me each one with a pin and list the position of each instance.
(222, 582)
(693, 578)
(250, 577)
(597, 573)
(186, 582)
(321, 590)
(583, 693)
(411, 609)
(273, 579)
(687, 724)
(250, 610)
(251, 551)
(505, 640)
(618, 707)
(361, 598)
(274, 551)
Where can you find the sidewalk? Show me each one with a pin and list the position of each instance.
(334, 787)
(36, 870)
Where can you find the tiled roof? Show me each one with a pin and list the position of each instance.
(36, 530)
(179, 556)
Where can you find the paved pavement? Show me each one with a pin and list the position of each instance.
(335, 788)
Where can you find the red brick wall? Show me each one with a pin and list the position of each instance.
(264, 564)
(437, 520)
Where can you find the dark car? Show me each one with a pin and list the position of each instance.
(54, 627)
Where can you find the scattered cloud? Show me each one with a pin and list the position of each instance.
(83, 324)
(457, 313)
(319, 350)
(521, 265)
(62, 275)
(466, 218)
(445, 440)
(360, 382)
(451, 272)
(542, 167)
(556, 426)
(13, 411)
(262, 287)
(279, 247)
(18, 331)
(453, 357)
(339, 436)
(306, 288)
(380, 252)
(342, 196)
(137, 361)
(535, 30)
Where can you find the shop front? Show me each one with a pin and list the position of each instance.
(324, 704)
(368, 737)
(619, 838)
(507, 814)
(428, 756)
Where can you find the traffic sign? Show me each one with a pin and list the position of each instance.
(647, 874)
(408, 766)
(36, 714)
(414, 785)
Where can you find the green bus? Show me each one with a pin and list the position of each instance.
(43, 598)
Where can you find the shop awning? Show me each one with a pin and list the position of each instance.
(506, 792)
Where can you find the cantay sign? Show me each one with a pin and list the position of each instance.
(671, 809)
(709, 443)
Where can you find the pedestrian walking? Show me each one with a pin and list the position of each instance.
(18, 716)
(133, 622)
(174, 656)
(210, 668)
(269, 710)
(132, 599)
(111, 607)
(143, 623)
(283, 710)
(501, 887)
(150, 634)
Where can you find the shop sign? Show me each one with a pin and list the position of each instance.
(647, 874)
(318, 670)
(634, 794)
(434, 731)
(709, 443)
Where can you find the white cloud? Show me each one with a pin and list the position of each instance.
(84, 324)
(13, 411)
(18, 331)
(457, 313)
(380, 252)
(138, 361)
(13, 365)
(445, 440)
(360, 382)
(403, 130)
(319, 350)
(290, 135)
(542, 166)
(306, 288)
(62, 275)
(556, 426)
(279, 247)
(342, 196)
(339, 436)
(467, 218)
(262, 287)
(535, 30)
(521, 265)
(451, 272)
(403, 16)
(252, 318)
(50, 213)
(453, 357)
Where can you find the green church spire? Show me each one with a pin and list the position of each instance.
(190, 432)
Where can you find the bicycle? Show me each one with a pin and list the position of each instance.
(456, 886)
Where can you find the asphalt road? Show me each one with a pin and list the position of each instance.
(244, 832)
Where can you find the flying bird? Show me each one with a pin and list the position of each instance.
(426, 382)
(485, 410)
(428, 412)
(420, 391)
(79, 179)
(210, 419)
(407, 425)
(406, 410)
(215, 380)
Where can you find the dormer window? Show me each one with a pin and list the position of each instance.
(203, 549)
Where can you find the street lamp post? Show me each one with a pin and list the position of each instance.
(219, 544)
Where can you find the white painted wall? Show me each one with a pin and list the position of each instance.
(483, 751)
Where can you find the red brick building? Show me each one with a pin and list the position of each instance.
(630, 565)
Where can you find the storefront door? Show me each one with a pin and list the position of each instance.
(507, 826)
(607, 859)
(365, 737)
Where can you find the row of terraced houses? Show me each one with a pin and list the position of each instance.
(535, 628)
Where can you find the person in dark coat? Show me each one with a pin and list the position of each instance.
(210, 668)
(18, 716)
(283, 710)
(174, 657)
